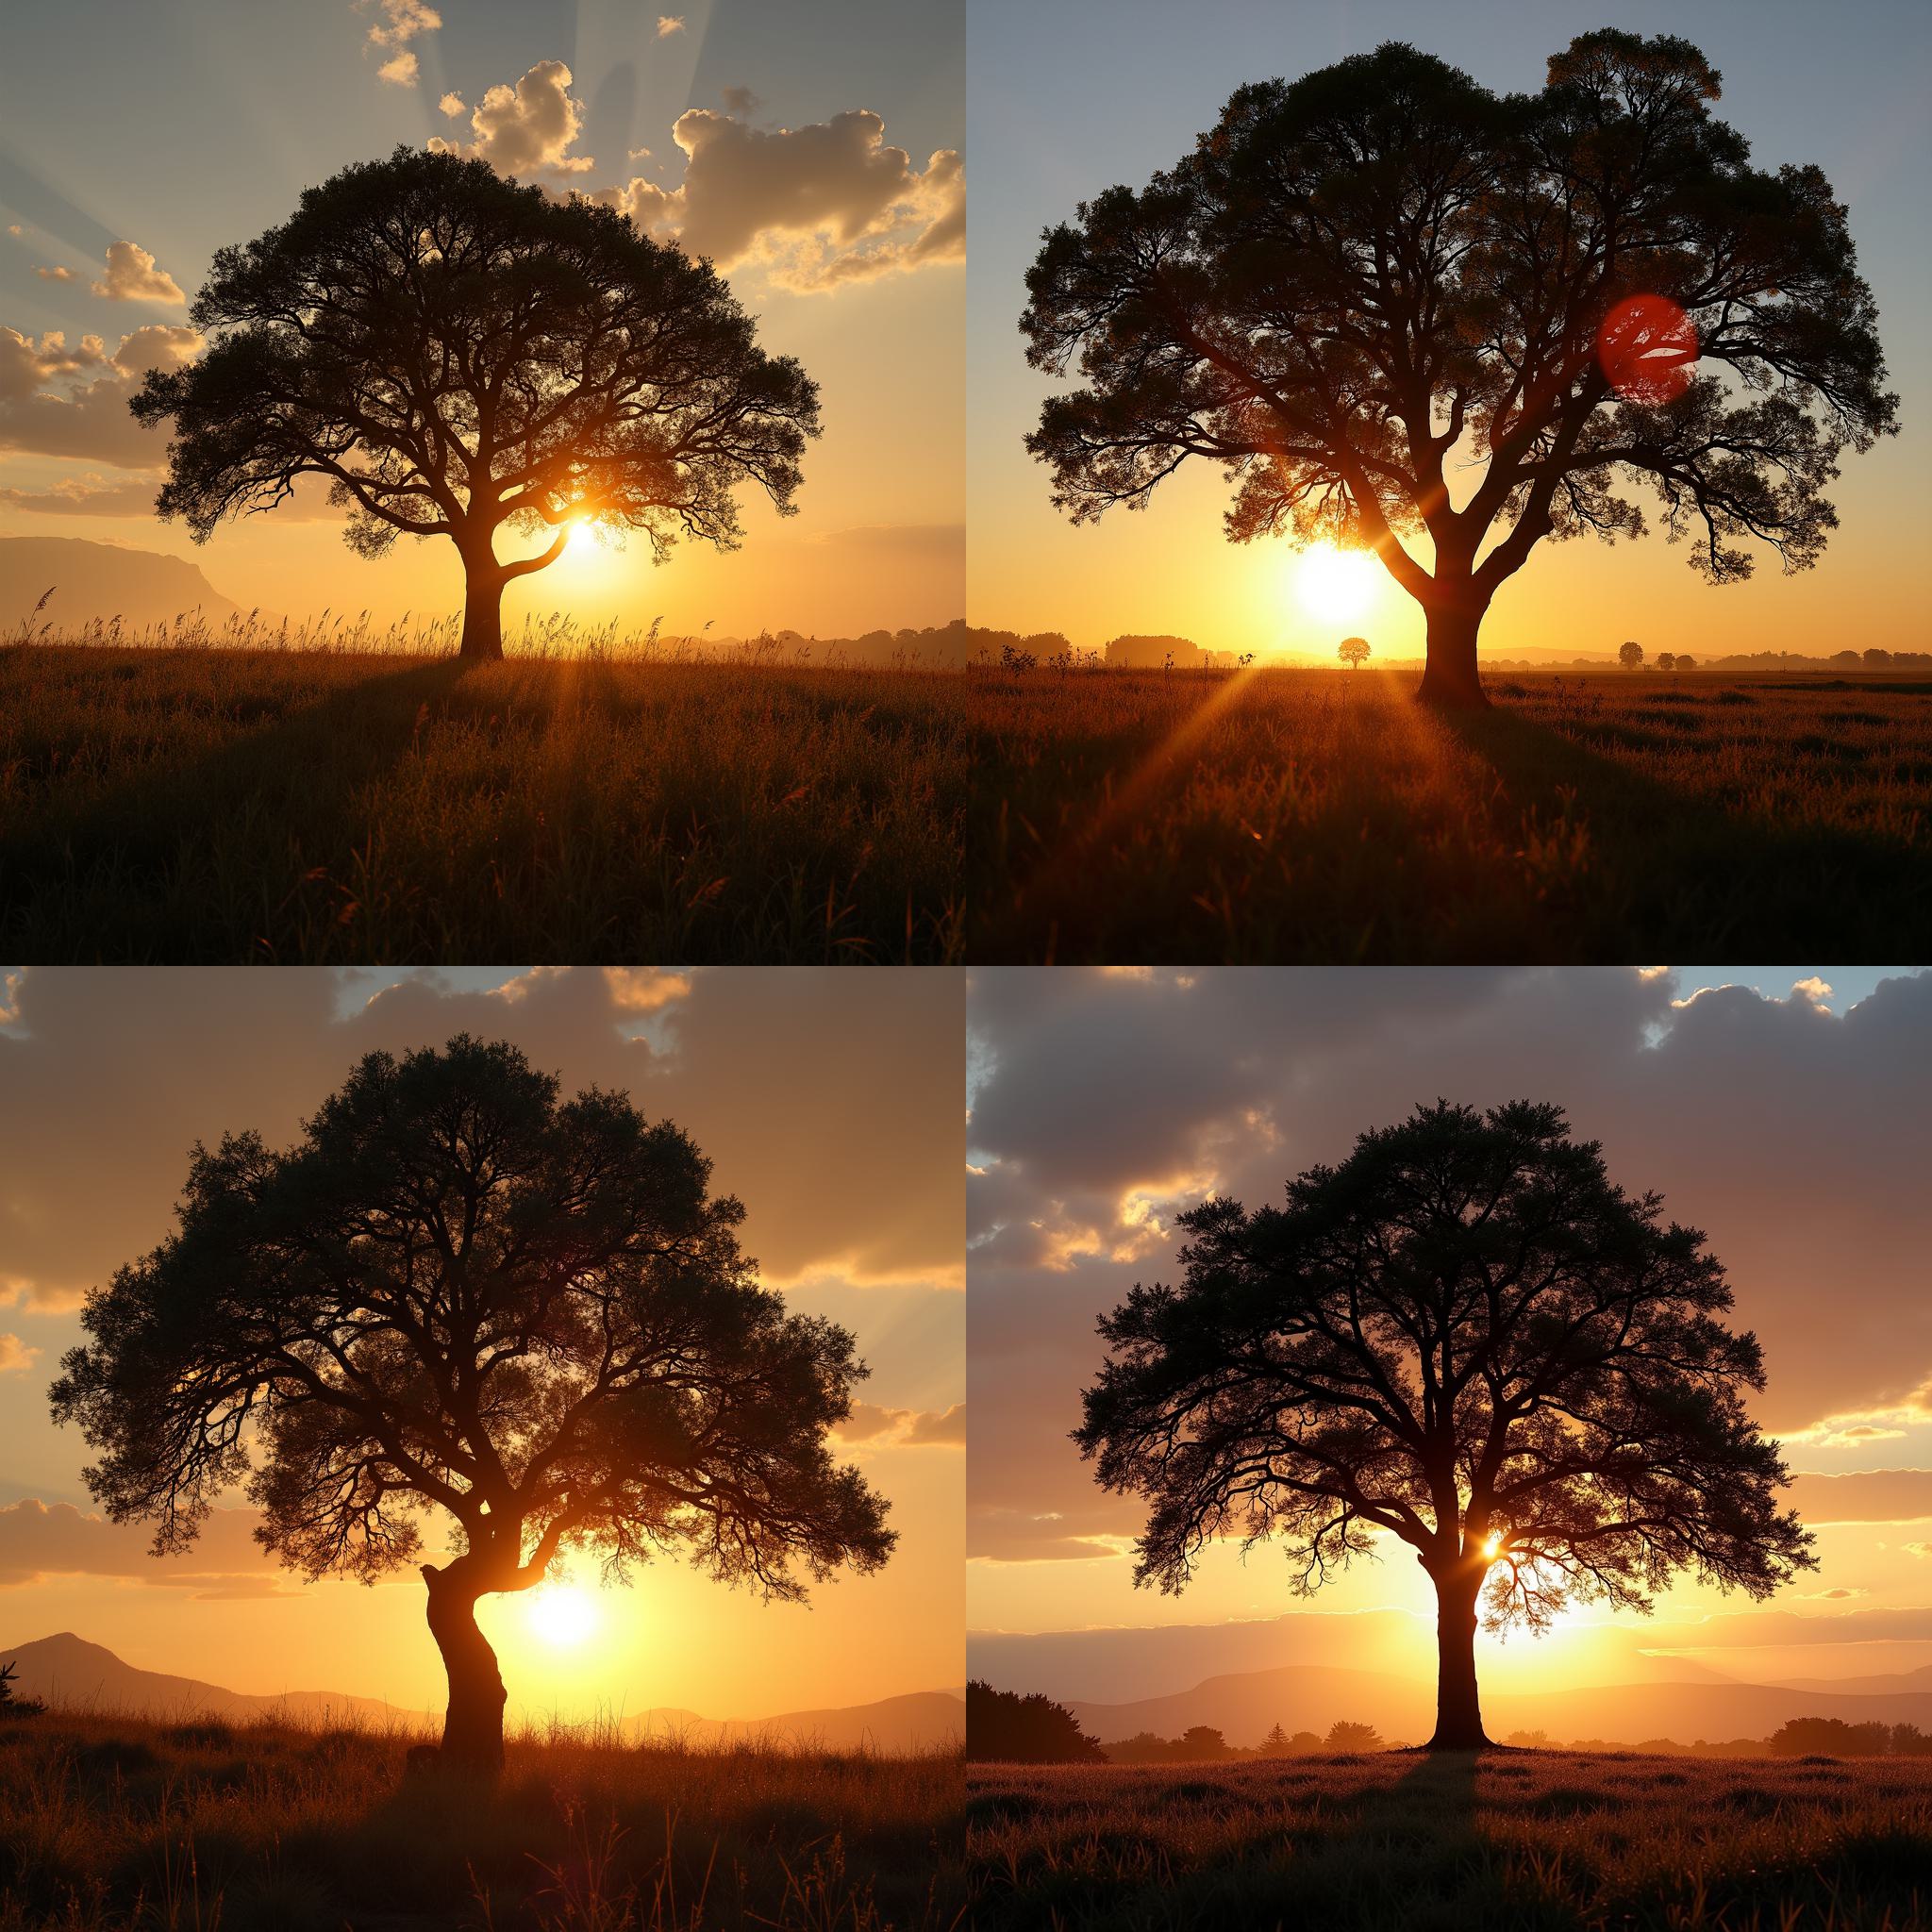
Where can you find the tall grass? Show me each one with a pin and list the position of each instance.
(1285, 815)
(1542, 1840)
(212, 803)
(109, 1824)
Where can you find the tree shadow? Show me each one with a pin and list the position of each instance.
(98, 878)
(1676, 868)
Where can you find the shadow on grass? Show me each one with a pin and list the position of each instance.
(1680, 871)
(117, 864)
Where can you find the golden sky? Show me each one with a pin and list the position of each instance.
(828, 1103)
(1789, 1123)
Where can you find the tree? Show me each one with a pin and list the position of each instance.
(1630, 655)
(1344, 1736)
(459, 1293)
(1003, 1727)
(1353, 650)
(1275, 1743)
(1200, 1744)
(1686, 661)
(1466, 1338)
(1357, 272)
(1666, 660)
(11, 1702)
(1877, 655)
(457, 352)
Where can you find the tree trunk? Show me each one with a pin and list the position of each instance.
(1450, 677)
(482, 611)
(1458, 1713)
(472, 1728)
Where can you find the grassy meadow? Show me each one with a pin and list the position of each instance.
(1532, 1839)
(112, 1822)
(1321, 816)
(218, 805)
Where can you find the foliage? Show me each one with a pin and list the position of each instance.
(1834, 1737)
(1354, 652)
(1630, 655)
(1025, 1730)
(1343, 1736)
(11, 1702)
(1465, 1336)
(1358, 271)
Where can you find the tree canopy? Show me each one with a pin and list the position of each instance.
(457, 352)
(1401, 310)
(1467, 1339)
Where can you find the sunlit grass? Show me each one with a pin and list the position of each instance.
(109, 1824)
(1323, 816)
(216, 803)
(1435, 1845)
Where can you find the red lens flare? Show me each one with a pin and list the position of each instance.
(1647, 346)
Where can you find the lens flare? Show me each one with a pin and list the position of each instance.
(1647, 346)
(1335, 584)
(562, 1614)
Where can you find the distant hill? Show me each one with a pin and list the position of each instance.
(99, 581)
(1298, 1697)
(70, 1672)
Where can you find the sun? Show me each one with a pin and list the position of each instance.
(1336, 586)
(562, 1614)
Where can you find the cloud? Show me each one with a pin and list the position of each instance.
(16, 1356)
(912, 1427)
(132, 277)
(41, 1539)
(669, 23)
(1872, 1496)
(55, 275)
(1917, 1549)
(398, 22)
(528, 127)
(14, 228)
(740, 101)
(1794, 1136)
(400, 70)
(87, 496)
(63, 400)
(451, 105)
(816, 206)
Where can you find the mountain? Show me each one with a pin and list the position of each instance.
(101, 581)
(70, 1672)
(1298, 1697)
(1887, 1684)
(67, 1670)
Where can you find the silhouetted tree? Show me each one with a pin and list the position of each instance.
(1877, 653)
(1353, 650)
(459, 1293)
(1630, 655)
(1344, 1736)
(1665, 660)
(1003, 1727)
(1686, 661)
(457, 352)
(1359, 271)
(1464, 1336)
(11, 1702)
(1275, 1743)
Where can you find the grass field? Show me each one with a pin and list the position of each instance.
(1318, 816)
(110, 1822)
(212, 805)
(1542, 1840)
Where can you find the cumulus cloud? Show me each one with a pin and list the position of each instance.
(915, 1428)
(526, 127)
(55, 275)
(818, 206)
(451, 105)
(41, 1539)
(16, 1356)
(669, 23)
(1795, 1136)
(399, 70)
(87, 496)
(132, 277)
(398, 22)
(72, 401)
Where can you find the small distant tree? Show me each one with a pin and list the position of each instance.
(1344, 1736)
(1467, 1339)
(460, 1293)
(1876, 655)
(1630, 655)
(1353, 652)
(1201, 1743)
(1844, 658)
(1275, 1743)
(456, 353)
(1003, 1727)
(1530, 1741)
(1686, 661)
(1665, 660)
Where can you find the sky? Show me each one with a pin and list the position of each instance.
(1065, 101)
(819, 162)
(828, 1103)
(1781, 1110)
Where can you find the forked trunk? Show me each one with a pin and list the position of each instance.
(1459, 1710)
(482, 612)
(1450, 677)
(472, 1728)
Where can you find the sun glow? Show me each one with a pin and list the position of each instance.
(1335, 586)
(562, 1614)
(1492, 1545)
